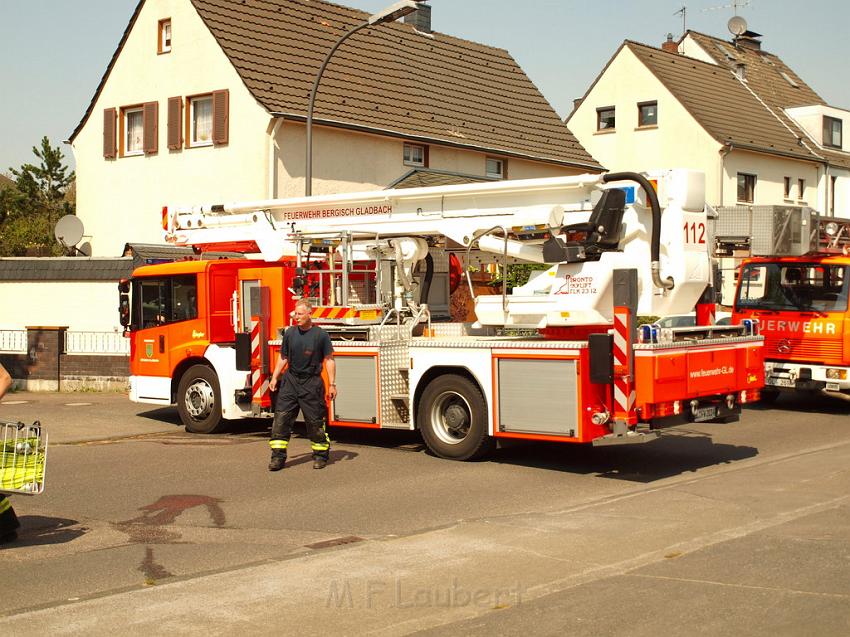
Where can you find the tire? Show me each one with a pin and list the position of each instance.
(452, 417)
(769, 396)
(199, 400)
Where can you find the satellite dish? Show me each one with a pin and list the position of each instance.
(737, 25)
(68, 230)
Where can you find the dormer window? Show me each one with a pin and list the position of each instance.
(832, 131)
(164, 36)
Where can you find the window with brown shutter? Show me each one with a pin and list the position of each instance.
(151, 129)
(221, 116)
(110, 148)
(175, 123)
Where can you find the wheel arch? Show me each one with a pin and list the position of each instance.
(435, 372)
(181, 368)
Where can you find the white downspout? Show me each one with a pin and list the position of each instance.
(724, 150)
(272, 185)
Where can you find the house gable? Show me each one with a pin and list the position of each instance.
(138, 75)
(625, 83)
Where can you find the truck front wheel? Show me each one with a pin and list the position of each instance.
(199, 400)
(452, 417)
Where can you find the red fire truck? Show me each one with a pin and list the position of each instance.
(799, 296)
(558, 358)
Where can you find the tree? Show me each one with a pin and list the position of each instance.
(30, 208)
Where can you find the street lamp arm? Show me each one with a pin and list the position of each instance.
(308, 186)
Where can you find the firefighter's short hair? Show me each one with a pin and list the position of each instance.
(305, 303)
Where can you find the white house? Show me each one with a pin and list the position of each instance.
(730, 109)
(206, 100)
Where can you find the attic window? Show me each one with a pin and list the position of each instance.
(164, 36)
(789, 79)
(495, 167)
(605, 119)
(647, 113)
(415, 155)
(832, 131)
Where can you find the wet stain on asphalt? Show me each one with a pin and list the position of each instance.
(152, 570)
(151, 527)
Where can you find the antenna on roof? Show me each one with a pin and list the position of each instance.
(736, 4)
(684, 13)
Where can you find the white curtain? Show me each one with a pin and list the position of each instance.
(135, 132)
(202, 120)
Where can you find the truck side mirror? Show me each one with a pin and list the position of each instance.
(124, 309)
(124, 303)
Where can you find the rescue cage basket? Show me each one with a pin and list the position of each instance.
(23, 458)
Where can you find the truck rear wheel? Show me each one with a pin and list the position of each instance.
(452, 417)
(199, 400)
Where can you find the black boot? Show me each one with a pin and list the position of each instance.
(278, 460)
(8, 521)
(320, 463)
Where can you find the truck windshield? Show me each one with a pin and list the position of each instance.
(804, 287)
(159, 301)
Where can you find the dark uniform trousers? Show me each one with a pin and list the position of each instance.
(308, 394)
(8, 519)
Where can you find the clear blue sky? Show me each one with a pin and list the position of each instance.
(54, 52)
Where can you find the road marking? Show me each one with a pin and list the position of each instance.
(15, 402)
(77, 404)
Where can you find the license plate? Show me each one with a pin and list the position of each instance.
(833, 386)
(778, 382)
(701, 414)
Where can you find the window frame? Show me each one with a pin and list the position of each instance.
(786, 188)
(123, 132)
(833, 120)
(605, 109)
(166, 300)
(411, 162)
(801, 188)
(189, 137)
(503, 168)
(833, 180)
(751, 191)
(640, 107)
(161, 45)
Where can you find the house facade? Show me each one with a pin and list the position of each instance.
(205, 101)
(729, 109)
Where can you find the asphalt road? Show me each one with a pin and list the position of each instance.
(133, 503)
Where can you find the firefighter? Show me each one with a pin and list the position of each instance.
(305, 348)
(8, 520)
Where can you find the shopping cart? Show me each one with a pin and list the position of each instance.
(23, 458)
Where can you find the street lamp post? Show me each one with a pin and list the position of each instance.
(390, 14)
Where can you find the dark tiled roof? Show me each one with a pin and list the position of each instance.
(388, 79)
(5, 182)
(65, 268)
(422, 177)
(749, 115)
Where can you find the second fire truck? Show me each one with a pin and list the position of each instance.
(559, 358)
(798, 290)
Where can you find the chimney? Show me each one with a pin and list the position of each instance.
(669, 45)
(577, 102)
(749, 40)
(421, 18)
